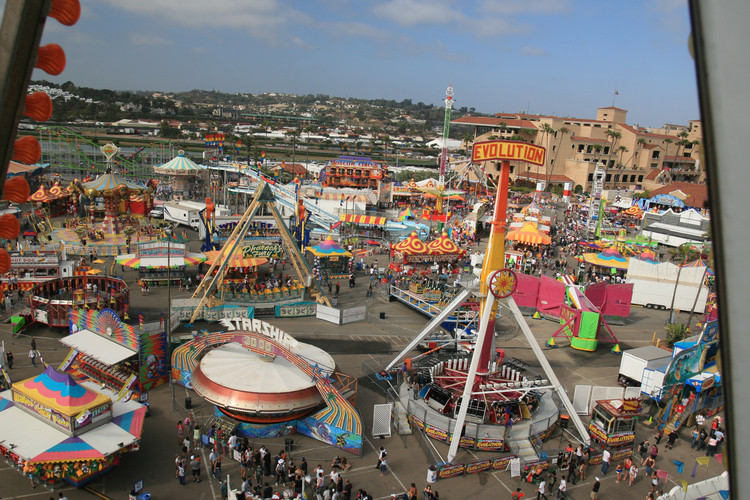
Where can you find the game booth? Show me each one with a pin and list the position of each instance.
(152, 259)
(127, 360)
(55, 428)
(52, 300)
(331, 260)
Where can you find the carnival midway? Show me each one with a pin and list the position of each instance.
(347, 336)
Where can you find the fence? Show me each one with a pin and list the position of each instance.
(586, 396)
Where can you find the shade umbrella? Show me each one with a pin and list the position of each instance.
(608, 258)
(237, 260)
(328, 248)
(529, 234)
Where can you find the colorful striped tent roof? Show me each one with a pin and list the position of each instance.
(648, 256)
(179, 165)
(532, 207)
(529, 234)
(443, 246)
(111, 181)
(70, 450)
(363, 219)
(699, 263)
(60, 392)
(406, 214)
(607, 258)
(328, 248)
(411, 246)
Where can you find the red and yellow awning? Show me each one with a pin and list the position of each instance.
(363, 219)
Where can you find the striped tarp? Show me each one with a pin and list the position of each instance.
(363, 219)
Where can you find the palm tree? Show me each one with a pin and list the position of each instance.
(667, 141)
(503, 128)
(294, 134)
(547, 130)
(622, 149)
(613, 136)
(562, 132)
(683, 253)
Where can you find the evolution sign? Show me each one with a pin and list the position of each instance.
(508, 150)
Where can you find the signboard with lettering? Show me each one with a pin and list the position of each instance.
(261, 251)
(515, 467)
(508, 150)
(480, 466)
(446, 471)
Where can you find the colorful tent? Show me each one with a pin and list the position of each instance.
(648, 256)
(411, 246)
(41, 195)
(634, 211)
(443, 246)
(237, 260)
(699, 263)
(531, 208)
(407, 214)
(60, 392)
(58, 191)
(529, 234)
(179, 165)
(329, 248)
(608, 258)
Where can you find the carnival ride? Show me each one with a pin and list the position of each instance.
(482, 383)
(210, 290)
(289, 385)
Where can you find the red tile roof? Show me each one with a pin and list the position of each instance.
(643, 133)
(493, 122)
(697, 194)
(653, 174)
(543, 177)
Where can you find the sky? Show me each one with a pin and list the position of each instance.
(550, 57)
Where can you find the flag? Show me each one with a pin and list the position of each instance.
(724, 494)
(684, 484)
(140, 319)
(695, 468)
(616, 92)
(662, 474)
(719, 457)
(703, 460)
(680, 466)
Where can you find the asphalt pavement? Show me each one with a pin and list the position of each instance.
(356, 347)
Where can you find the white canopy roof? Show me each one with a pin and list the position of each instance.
(98, 347)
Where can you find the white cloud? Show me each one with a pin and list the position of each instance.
(355, 29)
(514, 7)
(418, 12)
(148, 40)
(261, 18)
(199, 50)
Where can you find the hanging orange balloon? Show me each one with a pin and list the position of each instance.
(66, 12)
(9, 227)
(27, 150)
(51, 59)
(16, 190)
(38, 106)
(4, 261)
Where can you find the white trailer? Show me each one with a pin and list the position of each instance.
(654, 285)
(635, 361)
(182, 214)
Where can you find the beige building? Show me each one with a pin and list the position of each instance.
(635, 158)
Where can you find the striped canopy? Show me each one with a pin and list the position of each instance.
(329, 248)
(531, 208)
(648, 256)
(443, 246)
(71, 449)
(529, 234)
(237, 261)
(179, 165)
(58, 191)
(699, 263)
(406, 214)
(109, 182)
(411, 246)
(132, 260)
(363, 219)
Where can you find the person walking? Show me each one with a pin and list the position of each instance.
(9, 359)
(694, 437)
(632, 474)
(195, 466)
(181, 471)
(595, 489)
(606, 455)
(382, 455)
(541, 491)
(32, 356)
(517, 495)
(562, 489)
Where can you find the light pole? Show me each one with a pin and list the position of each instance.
(168, 233)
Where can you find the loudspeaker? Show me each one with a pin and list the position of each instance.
(188, 403)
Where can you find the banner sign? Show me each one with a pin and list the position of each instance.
(261, 251)
(508, 150)
(296, 310)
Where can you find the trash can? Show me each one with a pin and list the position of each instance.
(334, 301)
(188, 403)
(432, 474)
(382, 315)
